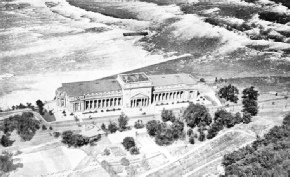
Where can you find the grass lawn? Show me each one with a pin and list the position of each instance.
(48, 117)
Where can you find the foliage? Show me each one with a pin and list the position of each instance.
(112, 127)
(106, 152)
(7, 163)
(167, 115)
(40, 105)
(123, 121)
(56, 134)
(75, 140)
(50, 128)
(224, 118)
(22, 106)
(202, 80)
(230, 93)
(191, 140)
(103, 127)
(125, 162)
(145, 163)
(128, 142)
(134, 150)
(247, 118)
(177, 129)
(197, 115)
(250, 97)
(264, 157)
(201, 136)
(282, 18)
(214, 129)
(189, 132)
(165, 137)
(44, 127)
(24, 124)
(153, 127)
(238, 118)
(5, 141)
(108, 168)
(139, 124)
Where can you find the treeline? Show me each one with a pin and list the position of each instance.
(267, 157)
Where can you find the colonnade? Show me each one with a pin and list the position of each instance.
(166, 96)
(103, 103)
(139, 102)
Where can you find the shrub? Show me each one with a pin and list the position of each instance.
(125, 162)
(75, 140)
(112, 127)
(153, 127)
(139, 124)
(103, 127)
(106, 152)
(191, 140)
(189, 132)
(134, 150)
(128, 142)
(167, 115)
(5, 141)
(201, 136)
(44, 127)
(50, 127)
(202, 80)
(247, 118)
(56, 134)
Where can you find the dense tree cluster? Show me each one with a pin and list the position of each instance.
(75, 140)
(197, 115)
(230, 93)
(130, 145)
(25, 125)
(250, 104)
(165, 134)
(7, 163)
(268, 156)
(167, 115)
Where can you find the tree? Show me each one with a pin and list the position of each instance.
(238, 118)
(177, 128)
(153, 127)
(103, 127)
(123, 121)
(75, 140)
(167, 115)
(189, 132)
(214, 129)
(125, 162)
(247, 118)
(197, 115)
(250, 97)
(7, 163)
(40, 105)
(202, 80)
(224, 118)
(165, 137)
(44, 127)
(112, 127)
(230, 93)
(134, 150)
(201, 136)
(191, 140)
(5, 141)
(128, 142)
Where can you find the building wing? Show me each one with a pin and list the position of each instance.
(172, 79)
(88, 87)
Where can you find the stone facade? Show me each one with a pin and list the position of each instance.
(126, 91)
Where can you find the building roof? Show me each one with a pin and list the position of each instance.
(136, 77)
(172, 79)
(88, 87)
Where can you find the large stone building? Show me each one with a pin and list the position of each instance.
(126, 91)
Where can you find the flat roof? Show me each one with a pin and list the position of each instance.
(172, 79)
(135, 77)
(88, 87)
